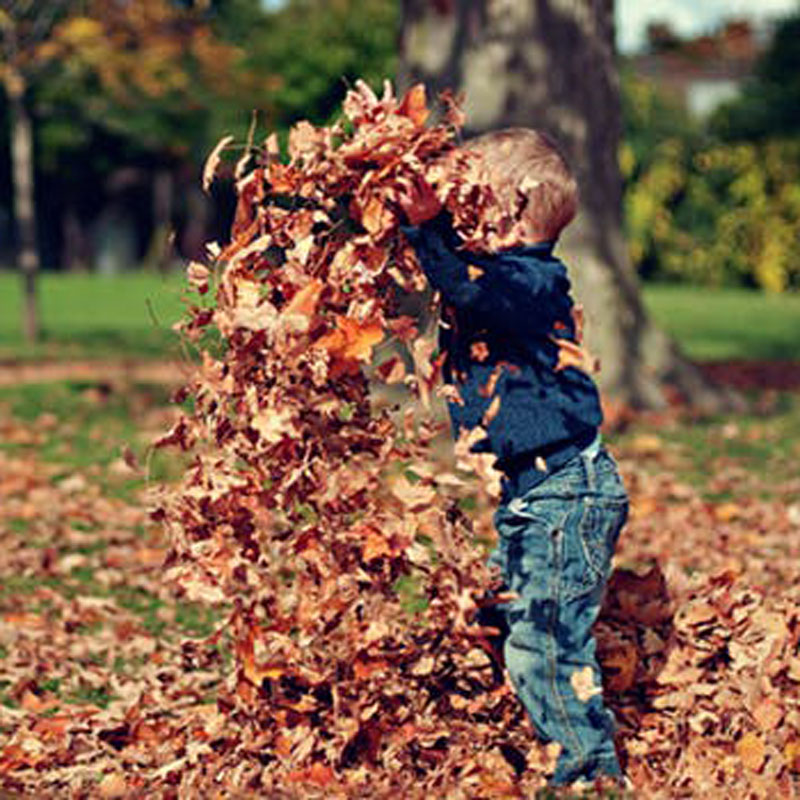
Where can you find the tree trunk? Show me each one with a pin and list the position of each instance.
(24, 206)
(160, 251)
(550, 65)
(74, 251)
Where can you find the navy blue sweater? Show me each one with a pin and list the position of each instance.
(500, 313)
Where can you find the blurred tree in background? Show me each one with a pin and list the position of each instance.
(106, 98)
(23, 26)
(718, 202)
(122, 101)
(319, 48)
(769, 104)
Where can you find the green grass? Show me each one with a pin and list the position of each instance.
(94, 316)
(719, 324)
(83, 428)
(727, 457)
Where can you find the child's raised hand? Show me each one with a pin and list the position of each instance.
(418, 201)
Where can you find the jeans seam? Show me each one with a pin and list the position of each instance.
(552, 642)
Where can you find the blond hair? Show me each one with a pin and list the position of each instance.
(530, 180)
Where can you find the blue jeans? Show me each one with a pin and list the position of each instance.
(554, 551)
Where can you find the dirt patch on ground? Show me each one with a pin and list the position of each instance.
(169, 372)
(745, 375)
(740, 374)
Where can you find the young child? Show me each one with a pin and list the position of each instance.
(509, 333)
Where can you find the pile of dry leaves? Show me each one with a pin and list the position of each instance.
(348, 564)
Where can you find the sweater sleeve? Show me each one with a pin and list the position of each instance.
(496, 292)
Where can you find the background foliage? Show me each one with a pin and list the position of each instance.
(718, 203)
(713, 202)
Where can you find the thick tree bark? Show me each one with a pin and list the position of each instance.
(550, 64)
(24, 205)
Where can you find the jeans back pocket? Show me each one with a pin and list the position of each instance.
(600, 523)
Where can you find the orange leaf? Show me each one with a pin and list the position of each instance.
(363, 669)
(52, 727)
(414, 496)
(376, 546)
(572, 354)
(375, 542)
(584, 684)
(32, 702)
(479, 351)
(283, 745)
(350, 343)
(415, 105)
(768, 714)
(727, 512)
(751, 751)
(114, 786)
(213, 160)
(619, 667)
(25, 620)
(317, 774)
(492, 411)
(392, 371)
(16, 757)
(792, 754)
(404, 328)
(255, 673)
(305, 301)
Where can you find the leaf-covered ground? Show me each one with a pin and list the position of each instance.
(110, 687)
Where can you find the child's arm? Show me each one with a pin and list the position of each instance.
(507, 298)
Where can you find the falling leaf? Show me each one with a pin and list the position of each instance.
(213, 161)
(304, 302)
(492, 411)
(393, 370)
(479, 351)
(413, 495)
(620, 667)
(350, 344)
(647, 444)
(376, 217)
(583, 684)
(415, 105)
(198, 275)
